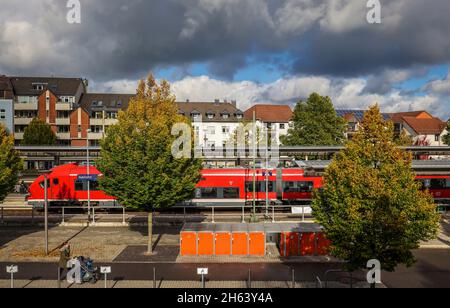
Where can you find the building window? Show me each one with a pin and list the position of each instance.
(225, 129)
(282, 126)
(225, 116)
(19, 128)
(97, 114)
(94, 143)
(211, 130)
(96, 129)
(62, 114)
(437, 138)
(111, 115)
(210, 116)
(63, 129)
(38, 86)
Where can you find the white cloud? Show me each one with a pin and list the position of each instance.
(345, 93)
(440, 86)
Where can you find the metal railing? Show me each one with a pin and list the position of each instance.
(85, 212)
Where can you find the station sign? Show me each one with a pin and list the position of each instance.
(105, 270)
(202, 271)
(12, 269)
(87, 177)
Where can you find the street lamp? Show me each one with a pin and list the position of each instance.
(46, 212)
(88, 173)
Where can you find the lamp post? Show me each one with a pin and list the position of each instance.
(88, 173)
(46, 212)
(267, 172)
(253, 217)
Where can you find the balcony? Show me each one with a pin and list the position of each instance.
(22, 121)
(25, 106)
(95, 136)
(62, 121)
(109, 122)
(63, 136)
(63, 106)
(18, 136)
(94, 121)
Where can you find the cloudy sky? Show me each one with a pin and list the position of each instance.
(253, 51)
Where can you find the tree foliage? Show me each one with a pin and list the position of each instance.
(403, 139)
(10, 163)
(136, 157)
(38, 133)
(446, 138)
(371, 206)
(315, 123)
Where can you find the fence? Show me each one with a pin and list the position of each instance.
(183, 214)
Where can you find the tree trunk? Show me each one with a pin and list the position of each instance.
(150, 233)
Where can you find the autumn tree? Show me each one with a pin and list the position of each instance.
(136, 154)
(10, 163)
(403, 139)
(38, 133)
(446, 138)
(371, 206)
(315, 123)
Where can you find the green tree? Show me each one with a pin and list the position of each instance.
(10, 163)
(136, 154)
(315, 123)
(245, 130)
(38, 133)
(446, 138)
(371, 206)
(403, 139)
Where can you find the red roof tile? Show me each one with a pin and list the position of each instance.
(425, 126)
(270, 113)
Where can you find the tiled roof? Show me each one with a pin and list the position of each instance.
(97, 101)
(216, 109)
(398, 116)
(425, 126)
(270, 113)
(23, 86)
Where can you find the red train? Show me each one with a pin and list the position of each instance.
(68, 185)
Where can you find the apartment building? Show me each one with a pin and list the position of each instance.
(276, 118)
(96, 112)
(49, 99)
(6, 104)
(213, 123)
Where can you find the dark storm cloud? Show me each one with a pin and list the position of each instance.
(120, 39)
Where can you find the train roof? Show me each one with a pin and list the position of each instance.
(74, 169)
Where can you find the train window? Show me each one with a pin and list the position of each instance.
(231, 193)
(55, 182)
(42, 184)
(288, 186)
(305, 186)
(198, 193)
(94, 186)
(260, 186)
(298, 187)
(209, 193)
(79, 185)
(437, 183)
(425, 184)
